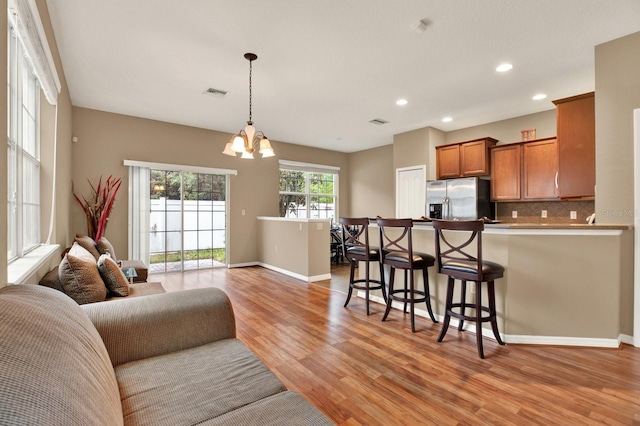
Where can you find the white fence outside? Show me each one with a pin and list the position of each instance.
(204, 225)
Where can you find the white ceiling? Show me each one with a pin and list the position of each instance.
(326, 68)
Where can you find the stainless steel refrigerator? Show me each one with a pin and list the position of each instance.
(459, 199)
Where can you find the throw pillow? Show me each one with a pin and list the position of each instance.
(81, 280)
(113, 277)
(105, 246)
(88, 243)
(77, 250)
(51, 279)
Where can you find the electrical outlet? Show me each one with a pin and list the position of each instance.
(514, 214)
(276, 249)
(544, 213)
(573, 214)
(243, 212)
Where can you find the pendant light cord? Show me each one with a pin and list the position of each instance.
(250, 95)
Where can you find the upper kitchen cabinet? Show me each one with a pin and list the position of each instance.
(576, 146)
(525, 171)
(506, 170)
(464, 159)
(540, 169)
(448, 161)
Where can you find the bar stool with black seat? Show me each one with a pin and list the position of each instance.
(356, 248)
(396, 247)
(456, 260)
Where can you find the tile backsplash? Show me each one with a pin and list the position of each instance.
(557, 211)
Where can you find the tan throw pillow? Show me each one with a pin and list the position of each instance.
(105, 246)
(77, 250)
(51, 279)
(113, 277)
(81, 280)
(88, 244)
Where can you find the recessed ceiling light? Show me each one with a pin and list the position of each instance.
(401, 102)
(504, 67)
(539, 96)
(447, 119)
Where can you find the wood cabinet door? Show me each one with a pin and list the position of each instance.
(576, 146)
(448, 161)
(505, 172)
(540, 169)
(474, 160)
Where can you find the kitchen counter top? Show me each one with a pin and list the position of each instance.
(547, 226)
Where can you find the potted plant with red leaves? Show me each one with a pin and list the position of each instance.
(98, 206)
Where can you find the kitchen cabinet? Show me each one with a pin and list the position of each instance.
(448, 161)
(464, 159)
(540, 169)
(576, 146)
(506, 171)
(524, 171)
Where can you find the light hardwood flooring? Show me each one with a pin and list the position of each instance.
(361, 371)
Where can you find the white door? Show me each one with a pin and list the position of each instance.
(411, 189)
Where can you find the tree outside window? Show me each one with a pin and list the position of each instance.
(305, 194)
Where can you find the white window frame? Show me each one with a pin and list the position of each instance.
(309, 168)
(23, 233)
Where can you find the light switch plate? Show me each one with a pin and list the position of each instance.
(544, 213)
(514, 214)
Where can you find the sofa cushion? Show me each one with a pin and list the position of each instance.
(81, 280)
(88, 244)
(54, 367)
(112, 275)
(193, 385)
(104, 246)
(284, 408)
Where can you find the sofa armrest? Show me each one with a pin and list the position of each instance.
(157, 324)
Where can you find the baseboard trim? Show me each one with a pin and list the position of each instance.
(295, 275)
(520, 339)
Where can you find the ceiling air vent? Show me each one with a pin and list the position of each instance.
(216, 92)
(378, 121)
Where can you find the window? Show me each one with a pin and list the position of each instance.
(308, 190)
(23, 168)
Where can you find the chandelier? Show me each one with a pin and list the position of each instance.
(246, 141)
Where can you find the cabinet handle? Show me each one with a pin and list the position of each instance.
(556, 180)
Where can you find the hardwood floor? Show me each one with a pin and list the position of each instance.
(359, 370)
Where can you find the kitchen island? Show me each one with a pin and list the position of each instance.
(563, 284)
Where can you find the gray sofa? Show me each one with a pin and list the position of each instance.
(163, 359)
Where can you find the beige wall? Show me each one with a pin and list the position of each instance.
(508, 131)
(105, 140)
(3, 131)
(617, 95)
(61, 234)
(371, 182)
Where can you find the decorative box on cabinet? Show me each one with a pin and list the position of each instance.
(524, 171)
(464, 159)
(576, 146)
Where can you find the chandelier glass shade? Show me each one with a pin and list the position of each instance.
(248, 140)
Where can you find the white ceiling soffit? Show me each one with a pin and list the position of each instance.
(326, 68)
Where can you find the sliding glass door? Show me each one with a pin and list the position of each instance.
(187, 220)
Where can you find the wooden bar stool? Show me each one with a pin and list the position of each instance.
(397, 252)
(455, 260)
(356, 248)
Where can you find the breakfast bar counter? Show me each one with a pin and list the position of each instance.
(563, 284)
